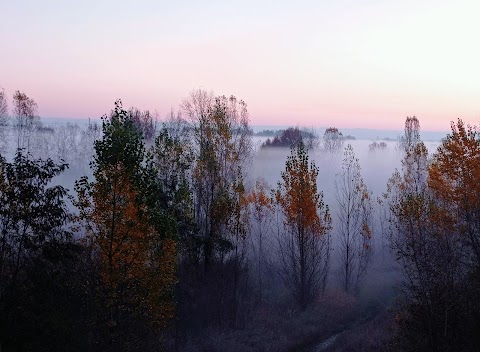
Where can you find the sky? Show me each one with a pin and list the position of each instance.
(356, 64)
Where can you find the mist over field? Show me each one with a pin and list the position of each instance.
(202, 233)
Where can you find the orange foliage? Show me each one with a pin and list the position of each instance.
(454, 180)
(138, 268)
(455, 171)
(261, 202)
(299, 198)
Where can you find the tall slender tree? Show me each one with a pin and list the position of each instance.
(305, 245)
(4, 121)
(26, 119)
(354, 221)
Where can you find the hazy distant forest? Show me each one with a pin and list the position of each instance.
(180, 234)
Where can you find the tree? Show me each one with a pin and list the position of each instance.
(173, 157)
(26, 118)
(411, 136)
(453, 177)
(305, 246)
(354, 221)
(33, 219)
(66, 145)
(215, 276)
(130, 232)
(333, 140)
(88, 136)
(222, 146)
(4, 122)
(291, 137)
(145, 122)
(428, 248)
(261, 211)
(377, 146)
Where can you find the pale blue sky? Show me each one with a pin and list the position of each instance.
(346, 63)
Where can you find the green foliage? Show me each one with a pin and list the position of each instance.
(33, 240)
(131, 230)
(172, 162)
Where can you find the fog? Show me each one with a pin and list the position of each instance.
(73, 144)
(377, 166)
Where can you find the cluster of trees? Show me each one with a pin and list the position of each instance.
(166, 241)
(377, 146)
(292, 137)
(160, 233)
(434, 206)
(98, 278)
(332, 141)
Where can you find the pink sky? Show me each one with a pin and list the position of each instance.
(318, 63)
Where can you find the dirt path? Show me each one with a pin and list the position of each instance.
(324, 344)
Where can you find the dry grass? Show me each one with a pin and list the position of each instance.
(281, 328)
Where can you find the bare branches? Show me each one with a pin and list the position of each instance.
(354, 225)
(4, 121)
(333, 140)
(26, 118)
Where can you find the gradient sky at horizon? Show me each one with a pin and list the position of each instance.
(317, 63)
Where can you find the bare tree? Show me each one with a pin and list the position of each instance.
(354, 221)
(261, 213)
(4, 122)
(26, 118)
(310, 138)
(145, 122)
(411, 136)
(177, 126)
(88, 136)
(67, 142)
(333, 140)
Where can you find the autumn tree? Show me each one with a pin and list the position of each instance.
(333, 140)
(354, 221)
(429, 250)
(26, 119)
(305, 245)
(222, 146)
(221, 141)
(453, 181)
(127, 228)
(454, 176)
